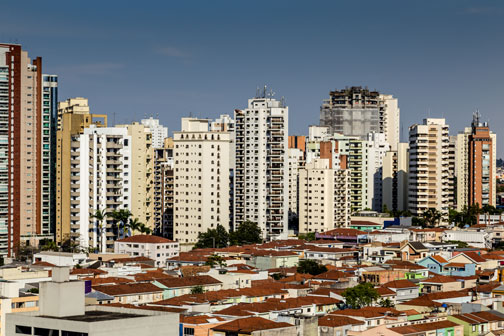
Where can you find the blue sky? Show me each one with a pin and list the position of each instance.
(172, 58)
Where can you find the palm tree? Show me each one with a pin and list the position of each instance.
(100, 216)
(432, 217)
(122, 216)
(134, 225)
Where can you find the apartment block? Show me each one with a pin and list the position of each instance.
(100, 175)
(163, 189)
(158, 131)
(430, 167)
(395, 178)
(324, 197)
(202, 161)
(74, 116)
(476, 165)
(27, 100)
(358, 111)
(223, 124)
(141, 203)
(296, 162)
(261, 175)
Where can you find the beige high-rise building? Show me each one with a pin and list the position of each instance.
(73, 117)
(395, 178)
(76, 105)
(27, 140)
(142, 173)
(324, 197)
(202, 180)
(430, 167)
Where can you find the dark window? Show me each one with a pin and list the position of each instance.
(45, 332)
(188, 331)
(23, 330)
(72, 333)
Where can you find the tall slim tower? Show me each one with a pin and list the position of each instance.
(73, 118)
(430, 167)
(25, 149)
(482, 164)
(261, 174)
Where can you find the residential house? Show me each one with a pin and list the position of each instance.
(157, 248)
(199, 325)
(179, 286)
(132, 293)
(254, 326)
(479, 323)
(405, 290)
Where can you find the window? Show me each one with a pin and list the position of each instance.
(188, 331)
(25, 330)
(72, 333)
(45, 332)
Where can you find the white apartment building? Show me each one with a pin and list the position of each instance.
(156, 248)
(261, 175)
(99, 180)
(158, 131)
(378, 147)
(324, 197)
(430, 176)
(202, 180)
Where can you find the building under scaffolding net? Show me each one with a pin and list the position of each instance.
(354, 111)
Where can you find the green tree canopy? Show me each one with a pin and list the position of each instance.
(310, 266)
(307, 236)
(432, 217)
(246, 233)
(217, 237)
(214, 260)
(362, 295)
(197, 290)
(387, 303)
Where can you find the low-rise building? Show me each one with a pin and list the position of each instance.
(157, 248)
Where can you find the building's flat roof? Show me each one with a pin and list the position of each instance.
(96, 316)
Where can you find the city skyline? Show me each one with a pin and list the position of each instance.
(431, 57)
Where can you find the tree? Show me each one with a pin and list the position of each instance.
(310, 236)
(217, 237)
(50, 245)
(362, 295)
(460, 244)
(386, 303)
(134, 225)
(310, 266)
(432, 217)
(122, 216)
(99, 216)
(246, 233)
(197, 290)
(215, 259)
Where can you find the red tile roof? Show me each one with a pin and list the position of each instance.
(437, 279)
(250, 324)
(439, 259)
(146, 239)
(337, 321)
(369, 312)
(423, 327)
(189, 281)
(87, 271)
(400, 284)
(201, 319)
(128, 289)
